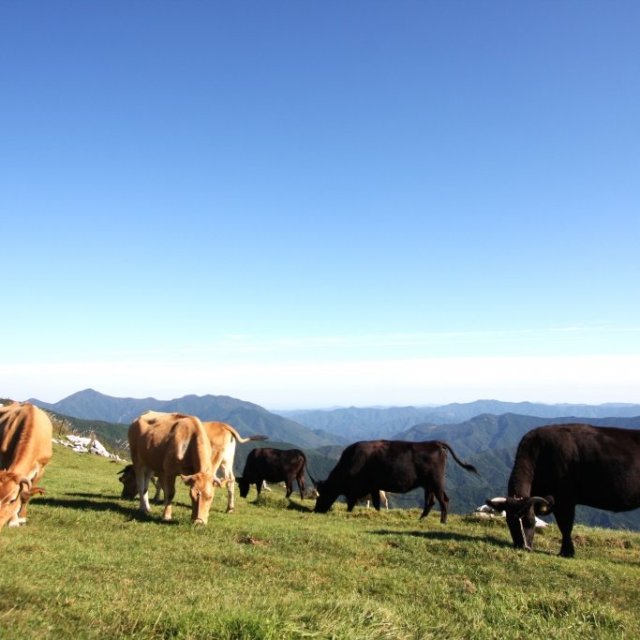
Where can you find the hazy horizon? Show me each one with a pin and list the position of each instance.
(310, 204)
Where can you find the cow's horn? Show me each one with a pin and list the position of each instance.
(539, 500)
(542, 503)
(497, 501)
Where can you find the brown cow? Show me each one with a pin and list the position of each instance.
(169, 444)
(25, 450)
(223, 438)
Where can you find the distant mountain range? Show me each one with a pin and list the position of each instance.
(365, 423)
(489, 442)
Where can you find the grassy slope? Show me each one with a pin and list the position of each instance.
(86, 567)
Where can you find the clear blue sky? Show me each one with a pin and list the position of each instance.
(321, 203)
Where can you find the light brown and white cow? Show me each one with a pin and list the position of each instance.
(384, 500)
(25, 450)
(223, 439)
(168, 445)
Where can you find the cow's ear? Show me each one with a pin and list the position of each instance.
(189, 480)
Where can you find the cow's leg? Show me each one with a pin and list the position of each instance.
(289, 484)
(351, 502)
(565, 516)
(375, 500)
(169, 487)
(429, 501)
(142, 478)
(443, 500)
(231, 490)
(300, 480)
(157, 483)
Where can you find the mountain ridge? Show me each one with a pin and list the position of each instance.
(246, 417)
(378, 422)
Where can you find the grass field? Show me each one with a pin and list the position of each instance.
(88, 566)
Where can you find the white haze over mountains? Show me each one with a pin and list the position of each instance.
(318, 383)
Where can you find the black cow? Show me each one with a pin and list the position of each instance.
(389, 465)
(560, 466)
(130, 484)
(273, 465)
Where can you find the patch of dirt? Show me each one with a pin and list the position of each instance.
(250, 540)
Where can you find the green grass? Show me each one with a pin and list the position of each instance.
(87, 566)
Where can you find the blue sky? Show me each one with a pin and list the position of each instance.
(307, 204)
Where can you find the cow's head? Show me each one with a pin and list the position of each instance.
(325, 498)
(14, 490)
(129, 482)
(201, 492)
(521, 517)
(243, 485)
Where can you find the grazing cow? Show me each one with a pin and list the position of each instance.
(273, 465)
(223, 438)
(169, 444)
(560, 466)
(25, 450)
(389, 465)
(127, 476)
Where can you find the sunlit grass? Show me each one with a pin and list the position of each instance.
(88, 566)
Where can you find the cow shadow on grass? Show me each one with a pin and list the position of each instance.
(445, 536)
(296, 506)
(290, 506)
(97, 502)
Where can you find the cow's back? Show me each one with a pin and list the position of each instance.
(160, 440)
(392, 465)
(25, 438)
(219, 434)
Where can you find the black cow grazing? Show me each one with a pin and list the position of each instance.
(273, 465)
(389, 465)
(560, 466)
(130, 484)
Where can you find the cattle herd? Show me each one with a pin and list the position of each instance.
(556, 468)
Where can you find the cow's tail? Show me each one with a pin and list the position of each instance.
(464, 465)
(306, 466)
(239, 438)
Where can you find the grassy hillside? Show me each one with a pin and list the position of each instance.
(467, 491)
(87, 566)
